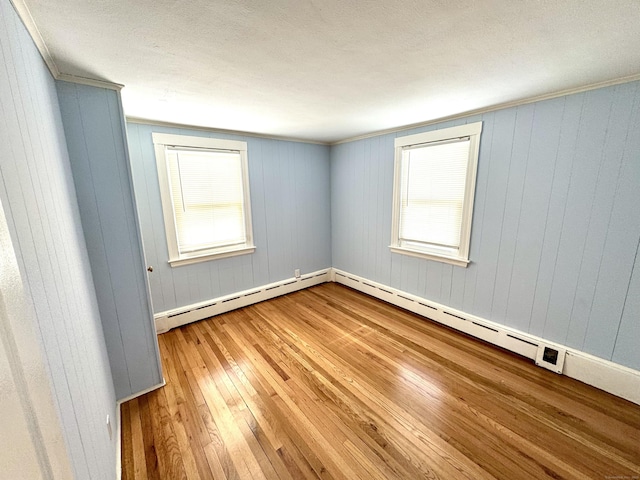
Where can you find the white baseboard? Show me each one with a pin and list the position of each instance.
(603, 374)
(119, 424)
(142, 392)
(165, 321)
(118, 442)
(608, 376)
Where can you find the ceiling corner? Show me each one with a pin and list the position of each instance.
(25, 15)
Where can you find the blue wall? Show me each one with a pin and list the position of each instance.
(96, 139)
(289, 188)
(38, 198)
(556, 226)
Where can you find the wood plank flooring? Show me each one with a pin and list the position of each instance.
(330, 383)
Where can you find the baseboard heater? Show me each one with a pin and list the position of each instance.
(604, 374)
(165, 321)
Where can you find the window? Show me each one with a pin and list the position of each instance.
(434, 186)
(204, 186)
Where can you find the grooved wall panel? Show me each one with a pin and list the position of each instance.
(289, 188)
(97, 149)
(39, 201)
(555, 230)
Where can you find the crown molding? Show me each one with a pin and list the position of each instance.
(160, 123)
(89, 81)
(27, 20)
(493, 108)
(25, 15)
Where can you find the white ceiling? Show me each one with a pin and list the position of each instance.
(331, 69)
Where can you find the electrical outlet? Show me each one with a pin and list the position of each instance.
(297, 273)
(109, 427)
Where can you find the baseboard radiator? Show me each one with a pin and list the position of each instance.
(165, 321)
(608, 376)
(603, 374)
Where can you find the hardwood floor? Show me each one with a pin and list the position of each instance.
(330, 383)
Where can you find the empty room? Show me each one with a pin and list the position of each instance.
(304, 239)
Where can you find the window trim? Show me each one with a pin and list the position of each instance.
(160, 142)
(471, 130)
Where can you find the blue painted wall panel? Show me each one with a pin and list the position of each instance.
(290, 206)
(626, 341)
(39, 200)
(555, 228)
(563, 164)
(96, 142)
(614, 284)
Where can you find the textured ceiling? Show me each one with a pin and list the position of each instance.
(330, 69)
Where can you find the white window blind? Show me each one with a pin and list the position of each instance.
(206, 191)
(432, 193)
(204, 188)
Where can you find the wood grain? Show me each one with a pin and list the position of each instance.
(330, 383)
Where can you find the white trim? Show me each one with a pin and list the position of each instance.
(442, 134)
(460, 256)
(243, 250)
(176, 259)
(25, 15)
(142, 392)
(199, 142)
(460, 262)
(493, 108)
(29, 23)
(118, 430)
(119, 424)
(200, 128)
(600, 373)
(169, 319)
(93, 82)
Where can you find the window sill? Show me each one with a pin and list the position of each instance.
(458, 261)
(211, 256)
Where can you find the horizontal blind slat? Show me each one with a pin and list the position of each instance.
(207, 196)
(432, 193)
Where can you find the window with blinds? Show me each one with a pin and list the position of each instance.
(205, 197)
(433, 193)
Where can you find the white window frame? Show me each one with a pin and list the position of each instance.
(432, 252)
(160, 142)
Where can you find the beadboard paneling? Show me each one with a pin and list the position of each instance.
(97, 149)
(39, 201)
(555, 230)
(289, 188)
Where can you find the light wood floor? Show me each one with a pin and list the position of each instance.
(331, 383)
